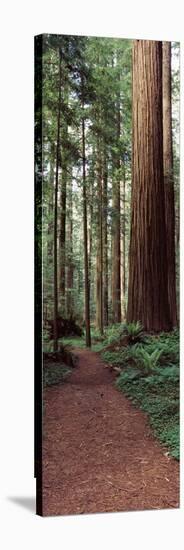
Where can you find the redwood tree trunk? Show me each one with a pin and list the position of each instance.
(56, 211)
(90, 240)
(86, 274)
(169, 180)
(116, 252)
(105, 242)
(50, 243)
(63, 236)
(123, 244)
(148, 270)
(99, 253)
(70, 269)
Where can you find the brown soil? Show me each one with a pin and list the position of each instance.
(99, 454)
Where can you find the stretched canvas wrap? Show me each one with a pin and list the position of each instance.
(106, 274)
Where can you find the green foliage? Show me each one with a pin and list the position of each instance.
(170, 436)
(153, 384)
(111, 335)
(113, 357)
(147, 360)
(75, 341)
(55, 374)
(135, 331)
(168, 343)
(105, 65)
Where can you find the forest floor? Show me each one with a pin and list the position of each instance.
(99, 452)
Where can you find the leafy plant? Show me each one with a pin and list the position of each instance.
(147, 360)
(76, 342)
(150, 378)
(168, 343)
(152, 382)
(55, 374)
(124, 356)
(135, 331)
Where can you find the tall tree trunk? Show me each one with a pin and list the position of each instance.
(148, 270)
(116, 285)
(91, 228)
(69, 294)
(51, 209)
(48, 288)
(123, 245)
(110, 277)
(99, 253)
(64, 177)
(63, 235)
(56, 211)
(105, 241)
(169, 180)
(85, 228)
(116, 258)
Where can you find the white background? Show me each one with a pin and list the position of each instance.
(20, 21)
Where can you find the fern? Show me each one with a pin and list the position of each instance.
(148, 361)
(135, 331)
(150, 378)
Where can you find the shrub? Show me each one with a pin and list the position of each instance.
(150, 378)
(134, 331)
(146, 360)
(55, 374)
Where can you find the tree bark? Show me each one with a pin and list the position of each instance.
(56, 211)
(48, 279)
(116, 252)
(99, 253)
(64, 178)
(69, 293)
(123, 244)
(105, 242)
(86, 275)
(148, 270)
(90, 239)
(63, 236)
(169, 180)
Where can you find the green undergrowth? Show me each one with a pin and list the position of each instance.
(98, 341)
(150, 378)
(149, 373)
(74, 341)
(55, 373)
(111, 336)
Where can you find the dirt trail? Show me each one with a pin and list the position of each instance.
(99, 454)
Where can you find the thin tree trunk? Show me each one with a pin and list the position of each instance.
(116, 259)
(148, 270)
(91, 229)
(63, 236)
(99, 254)
(56, 211)
(169, 180)
(48, 291)
(51, 206)
(116, 285)
(123, 245)
(69, 294)
(110, 276)
(124, 238)
(87, 306)
(105, 242)
(64, 177)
